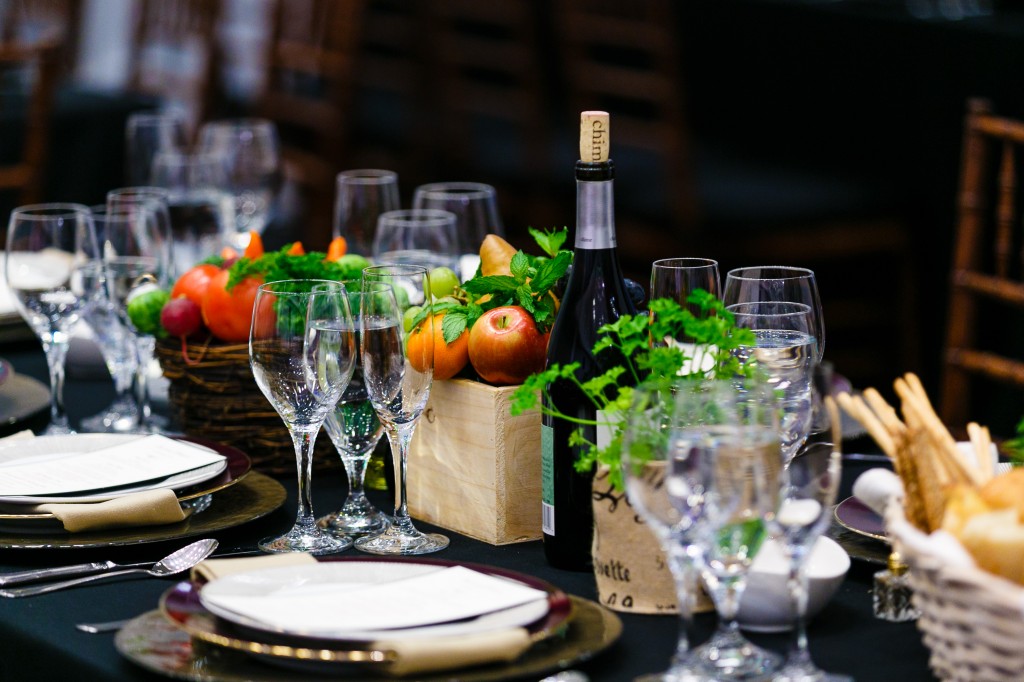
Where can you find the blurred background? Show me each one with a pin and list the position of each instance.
(825, 134)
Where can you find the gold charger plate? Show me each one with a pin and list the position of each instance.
(252, 497)
(154, 643)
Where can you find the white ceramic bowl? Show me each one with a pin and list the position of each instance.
(766, 606)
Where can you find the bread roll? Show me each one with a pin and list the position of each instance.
(1006, 492)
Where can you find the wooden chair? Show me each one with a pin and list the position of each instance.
(308, 95)
(986, 305)
(175, 55)
(679, 193)
(27, 81)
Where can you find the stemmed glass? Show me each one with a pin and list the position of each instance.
(421, 236)
(302, 352)
(362, 196)
(398, 372)
(786, 355)
(137, 251)
(655, 460)
(47, 247)
(146, 134)
(252, 157)
(676, 279)
(354, 429)
(809, 490)
(475, 206)
(737, 440)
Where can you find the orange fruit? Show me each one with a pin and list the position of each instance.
(449, 358)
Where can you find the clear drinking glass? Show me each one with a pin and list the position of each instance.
(809, 490)
(302, 352)
(252, 157)
(398, 372)
(425, 237)
(47, 247)
(475, 206)
(655, 461)
(737, 440)
(362, 196)
(786, 355)
(136, 252)
(354, 429)
(676, 279)
(146, 134)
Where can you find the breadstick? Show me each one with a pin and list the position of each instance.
(982, 442)
(867, 419)
(886, 412)
(837, 424)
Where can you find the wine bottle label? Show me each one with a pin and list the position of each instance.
(547, 479)
(595, 217)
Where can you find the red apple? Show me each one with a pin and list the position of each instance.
(505, 346)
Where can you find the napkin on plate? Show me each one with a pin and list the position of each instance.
(210, 569)
(875, 487)
(147, 508)
(429, 654)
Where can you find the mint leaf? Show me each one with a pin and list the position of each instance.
(453, 324)
(550, 241)
(491, 284)
(519, 265)
(550, 271)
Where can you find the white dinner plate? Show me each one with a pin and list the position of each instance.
(347, 575)
(58, 446)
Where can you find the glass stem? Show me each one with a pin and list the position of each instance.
(146, 346)
(56, 353)
(355, 469)
(304, 439)
(399, 436)
(683, 571)
(797, 582)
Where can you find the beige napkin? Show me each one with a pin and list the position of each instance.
(218, 568)
(429, 654)
(148, 508)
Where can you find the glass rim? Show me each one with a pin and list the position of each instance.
(797, 308)
(139, 192)
(677, 263)
(365, 176)
(427, 217)
(394, 269)
(456, 190)
(269, 286)
(47, 211)
(797, 272)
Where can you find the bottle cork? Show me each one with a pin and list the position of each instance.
(594, 136)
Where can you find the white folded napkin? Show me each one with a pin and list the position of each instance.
(218, 568)
(875, 487)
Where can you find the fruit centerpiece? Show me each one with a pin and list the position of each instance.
(202, 329)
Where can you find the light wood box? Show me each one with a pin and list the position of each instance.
(473, 467)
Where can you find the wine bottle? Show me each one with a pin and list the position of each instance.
(595, 295)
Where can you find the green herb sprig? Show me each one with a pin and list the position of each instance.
(279, 265)
(1014, 447)
(714, 337)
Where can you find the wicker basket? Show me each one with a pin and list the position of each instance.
(973, 621)
(217, 398)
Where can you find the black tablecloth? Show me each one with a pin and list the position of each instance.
(38, 640)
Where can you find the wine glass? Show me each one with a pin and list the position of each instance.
(809, 490)
(398, 372)
(302, 352)
(785, 354)
(676, 279)
(475, 206)
(354, 429)
(146, 134)
(653, 462)
(137, 252)
(47, 247)
(421, 236)
(252, 157)
(200, 210)
(737, 440)
(362, 196)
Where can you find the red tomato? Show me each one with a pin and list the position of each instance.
(193, 284)
(228, 314)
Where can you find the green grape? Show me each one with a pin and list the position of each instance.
(443, 281)
(409, 316)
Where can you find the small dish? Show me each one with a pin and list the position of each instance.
(766, 605)
(857, 517)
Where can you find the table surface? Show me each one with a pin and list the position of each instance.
(39, 640)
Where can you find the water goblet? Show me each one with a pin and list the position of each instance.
(420, 236)
(362, 195)
(809, 489)
(302, 353)
(354, 429)
(146, 134)
(737, 441)
(47, 247)
(475, 206)
(785, 353)
(676, 279)
(398, 373)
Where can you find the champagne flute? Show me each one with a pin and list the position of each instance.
(421, 236)
(354, 429)
(302, 352)
(398, 372)
(362, 196)
(653, 462)
(47, 247)
(475, 206)
(737, 440)
(809, 490)
(785, 354)
(146, 134)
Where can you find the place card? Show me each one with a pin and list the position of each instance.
(144, 459)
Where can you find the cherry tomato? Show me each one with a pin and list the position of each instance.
(228, 314)
(194, 283)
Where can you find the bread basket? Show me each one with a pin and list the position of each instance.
(972, 621)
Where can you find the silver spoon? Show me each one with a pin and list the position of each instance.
(176, 562)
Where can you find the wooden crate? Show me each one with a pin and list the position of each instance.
(474, 468)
